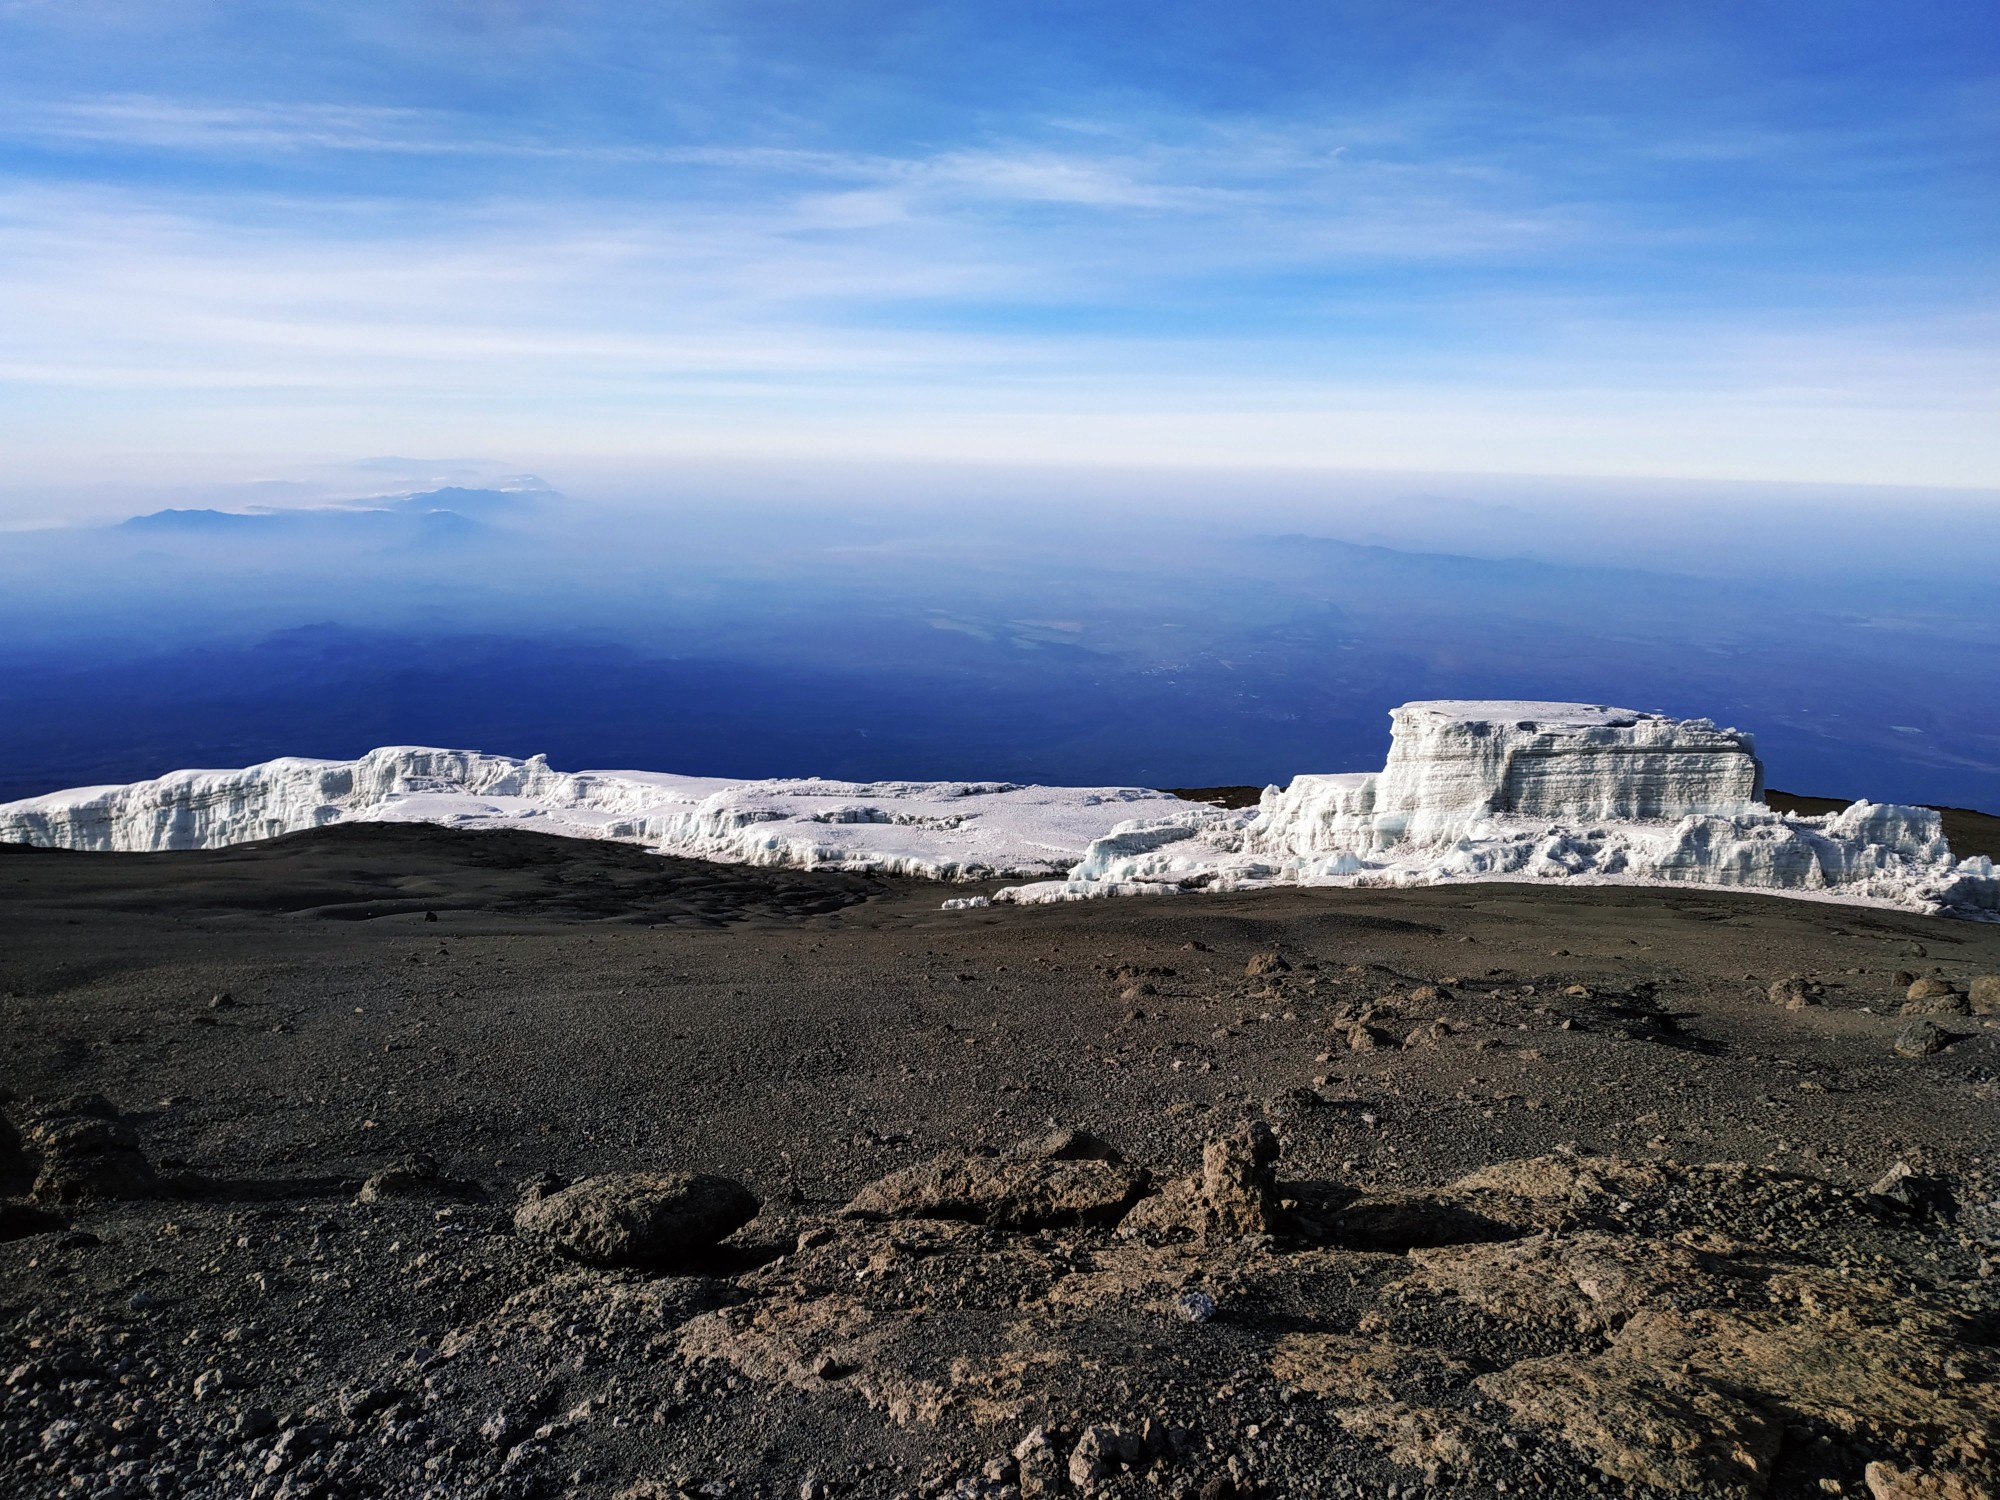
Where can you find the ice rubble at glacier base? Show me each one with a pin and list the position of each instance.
(1470, 791)
(1535, 791)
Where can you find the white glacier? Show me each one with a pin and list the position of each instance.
(947, 830)
(1536, 791)
(1470, 791)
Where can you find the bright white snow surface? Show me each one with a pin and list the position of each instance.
(951, 830)
(1471, 791)
(1537, 791)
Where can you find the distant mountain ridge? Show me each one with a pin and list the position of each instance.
(473, 505)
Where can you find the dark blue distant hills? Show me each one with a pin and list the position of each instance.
(502, 616)
(468, 508)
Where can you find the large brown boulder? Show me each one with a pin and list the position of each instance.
(1983, 995)
(1067, 1178)
(1236, 1194)
(638, 1218)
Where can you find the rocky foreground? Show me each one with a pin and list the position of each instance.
(392, 1162)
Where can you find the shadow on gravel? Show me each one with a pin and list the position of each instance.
(368, 871)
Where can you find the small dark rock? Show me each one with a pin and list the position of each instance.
(293, 1444)
(85, 1151)
(359, 1403)
(254, 1422)
(1921, 1039)
(1903, 1190)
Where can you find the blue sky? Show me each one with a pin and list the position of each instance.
(1745, 241)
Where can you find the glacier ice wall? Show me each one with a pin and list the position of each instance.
(1535, 791)
(947, 830)
(1470, 791)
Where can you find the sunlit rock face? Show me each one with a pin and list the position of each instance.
(1471, 791)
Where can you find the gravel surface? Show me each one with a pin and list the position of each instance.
(1483, 1190)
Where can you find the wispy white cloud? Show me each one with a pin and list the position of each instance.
(1096, 287)
(169, 318)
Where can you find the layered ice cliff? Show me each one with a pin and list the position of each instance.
(1515, 790)
(1470, 791)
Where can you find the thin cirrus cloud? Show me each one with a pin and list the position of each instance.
(1347, 286)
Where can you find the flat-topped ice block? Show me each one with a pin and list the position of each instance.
(1450, 761)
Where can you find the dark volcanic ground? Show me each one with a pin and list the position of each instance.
(1681, 1285)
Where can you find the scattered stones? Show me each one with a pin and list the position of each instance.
(1101, 1453)
(1104, 1451)
(359, 1403)
(1442, 1443)
(1950, 1003)
(637, 1218)
(1921, 1039)
(254, 1422)
(1796, 992)
(293, 1444)
(1887, 1482)
(1038, 1469)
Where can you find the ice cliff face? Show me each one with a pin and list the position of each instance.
(1515, 791)
(1470, 791)
(941, 830)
